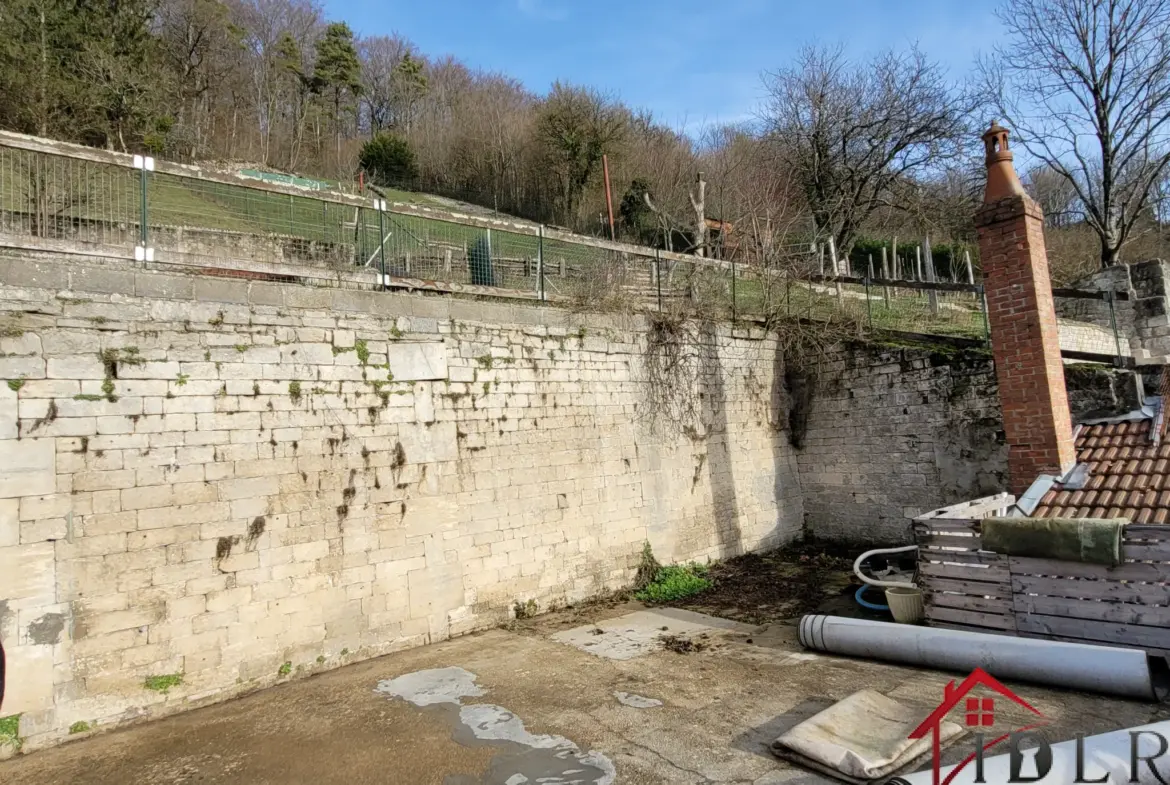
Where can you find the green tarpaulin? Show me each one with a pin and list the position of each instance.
(1089, 540)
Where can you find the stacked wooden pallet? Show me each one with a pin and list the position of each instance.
(968, 588)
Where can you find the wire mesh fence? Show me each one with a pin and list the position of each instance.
(61, 198)
(221, 226)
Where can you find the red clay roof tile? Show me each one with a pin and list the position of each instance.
(1128, 476)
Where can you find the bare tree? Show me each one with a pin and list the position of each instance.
(575, 126)
(381, 56)
(850, 132)
(1055, 195)
(1086, 85)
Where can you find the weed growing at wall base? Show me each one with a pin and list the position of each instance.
(675, 582)
(10, 732)
(163, 683)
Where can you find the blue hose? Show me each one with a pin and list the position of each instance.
(873, 606)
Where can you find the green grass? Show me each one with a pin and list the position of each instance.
(110, 195)
(674, 583)
(163, 683)
(285, 669)
(80, 727)
(907, 310)
(10, 731)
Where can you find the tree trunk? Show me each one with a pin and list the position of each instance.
(1110, 245)
(1110, 255)
(337, 126)
(44, 107)
(699, 204)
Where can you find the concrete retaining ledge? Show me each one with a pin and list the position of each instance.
(40, 270)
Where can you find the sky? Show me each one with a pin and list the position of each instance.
(693, 64)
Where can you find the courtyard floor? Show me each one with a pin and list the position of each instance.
(596, 695)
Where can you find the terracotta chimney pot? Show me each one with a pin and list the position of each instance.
(1002, 180)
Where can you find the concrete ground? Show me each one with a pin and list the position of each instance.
(506, 707)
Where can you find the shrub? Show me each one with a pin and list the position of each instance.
(479, 262)
(389, 161)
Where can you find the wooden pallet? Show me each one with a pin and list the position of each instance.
(968, 588)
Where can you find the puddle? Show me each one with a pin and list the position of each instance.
(522, 757)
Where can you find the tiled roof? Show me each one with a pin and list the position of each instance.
(1129, 476)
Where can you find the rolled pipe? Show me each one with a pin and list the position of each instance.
(1079, 666)
(876, 552)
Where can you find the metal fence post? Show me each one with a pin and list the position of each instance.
(869, 302)
(1113, 323)
(144, 253)
(986, 323)
(143, 221)
(540, 259)
(658, 276)
(381, 243)
(733, 309)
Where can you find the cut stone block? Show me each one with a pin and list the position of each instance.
(27, 467)
(411, 362)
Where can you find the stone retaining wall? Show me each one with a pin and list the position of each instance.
(207, 486)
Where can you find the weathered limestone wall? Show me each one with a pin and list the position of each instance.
(895, 432)
(1143, 319)
(231, 482)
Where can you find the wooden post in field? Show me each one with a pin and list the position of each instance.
(928, 264)
(836, 272)
(885, 275)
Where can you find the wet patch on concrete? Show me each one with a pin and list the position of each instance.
(429, 687)
(523, 757)
(640, 633)
(636, 701)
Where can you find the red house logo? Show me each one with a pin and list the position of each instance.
(978, 713)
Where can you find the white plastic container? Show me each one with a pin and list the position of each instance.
(906, 604)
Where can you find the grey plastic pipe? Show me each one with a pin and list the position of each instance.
(1102, 669)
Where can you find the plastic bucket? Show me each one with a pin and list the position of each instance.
(906, 604)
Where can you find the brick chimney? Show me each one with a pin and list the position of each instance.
(1024, 334)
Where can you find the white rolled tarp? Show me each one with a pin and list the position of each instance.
(1102, 669)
